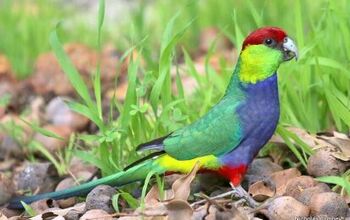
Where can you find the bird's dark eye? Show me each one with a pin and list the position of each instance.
(269, 42)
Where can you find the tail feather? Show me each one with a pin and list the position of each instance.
(133, 174)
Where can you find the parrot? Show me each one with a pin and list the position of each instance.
(224, 140)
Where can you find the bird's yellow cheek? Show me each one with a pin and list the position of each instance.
(258, 62)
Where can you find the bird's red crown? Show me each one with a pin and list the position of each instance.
(259, 35)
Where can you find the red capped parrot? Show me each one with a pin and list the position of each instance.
(224, 140)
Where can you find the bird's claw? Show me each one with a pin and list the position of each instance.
(239, 192)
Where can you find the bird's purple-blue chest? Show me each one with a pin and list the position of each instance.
(258, 115)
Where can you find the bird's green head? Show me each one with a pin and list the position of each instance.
(262, 52)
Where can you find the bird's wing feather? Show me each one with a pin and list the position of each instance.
(216, 133)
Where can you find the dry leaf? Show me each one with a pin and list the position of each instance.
(60, 212)
(304, 136)
(262, 190)
(337, 143)
(3, 217)
(181, 187)
(153, 212)
(233, 214)
(153, 206)
(130, 218)
(281, 178)
(201, 212)
(340, 143)
(95, 214)
(42, 206)
(58, 218)
(152, 196)
(179, 209)
(297, 185)
(175, 208)
(211, 213)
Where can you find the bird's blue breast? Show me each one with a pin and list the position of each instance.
(258, 115)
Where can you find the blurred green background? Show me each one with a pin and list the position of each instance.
(315, 91)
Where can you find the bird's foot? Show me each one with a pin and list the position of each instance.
(242, 194)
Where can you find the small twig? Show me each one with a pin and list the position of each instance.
(120, 214)
(229, 193)
(213, 202)
(237, 191)
(263, 205)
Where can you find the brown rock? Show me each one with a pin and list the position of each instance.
(10, 147)
(26, 131)
(72, 215)
(58, 113)
(285, 208)
(8, 93)
(6, 189)
(109, 65)
(297, 185)
(101, 198)
(281, 179)
(22, 98)
(51, 143)
(7, 83)
(80, 169)
(48, 72)
(323, 163)
(65, 184)
(260, 169)
(5, 68)
(9, 213)
(34, 177)
(306, 195)
(328, 204)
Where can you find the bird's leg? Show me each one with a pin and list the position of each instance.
(241, 193)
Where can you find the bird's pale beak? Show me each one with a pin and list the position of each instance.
(289, 49)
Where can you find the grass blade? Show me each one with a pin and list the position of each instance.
(66, 64)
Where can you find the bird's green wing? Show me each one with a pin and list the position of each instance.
(217, 132)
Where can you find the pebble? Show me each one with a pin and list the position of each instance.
(34, 176)
(101, 198)
(329, 204)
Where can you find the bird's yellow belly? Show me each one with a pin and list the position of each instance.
(209, 162)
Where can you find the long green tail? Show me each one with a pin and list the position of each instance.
(138, 172)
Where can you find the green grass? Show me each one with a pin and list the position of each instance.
(25, 27)
(314, 91)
